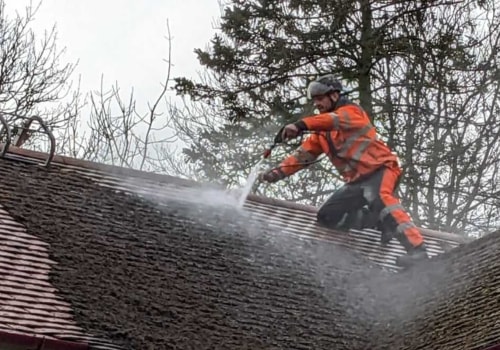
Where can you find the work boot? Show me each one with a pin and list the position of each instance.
(414, 256)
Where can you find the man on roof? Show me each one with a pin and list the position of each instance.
(343, 131)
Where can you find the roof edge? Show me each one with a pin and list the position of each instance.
(119, 170)
(26, 341)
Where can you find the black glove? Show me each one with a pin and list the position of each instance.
(300, 125)
(290, 132)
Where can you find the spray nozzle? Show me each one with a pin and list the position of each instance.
(267, 151)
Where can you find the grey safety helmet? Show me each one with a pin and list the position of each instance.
(323, 85)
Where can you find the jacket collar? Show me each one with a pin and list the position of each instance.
(341, 102)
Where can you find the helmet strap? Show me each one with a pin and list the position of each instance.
(334, 103)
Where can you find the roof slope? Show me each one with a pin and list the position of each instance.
(146, 275)
(450, 302)
(294, 219)
(265, 278)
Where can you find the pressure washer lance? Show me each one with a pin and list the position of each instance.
(278, 140)
(267, 151)
(253, 180)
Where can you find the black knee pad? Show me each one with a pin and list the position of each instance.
(328, 218)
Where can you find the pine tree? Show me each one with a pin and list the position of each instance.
(412, 65)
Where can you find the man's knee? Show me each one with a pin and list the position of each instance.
(345, 220)
(328, 217)
(323, 216)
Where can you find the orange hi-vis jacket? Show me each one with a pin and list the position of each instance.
(348, 138)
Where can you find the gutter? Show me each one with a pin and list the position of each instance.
(18, 341)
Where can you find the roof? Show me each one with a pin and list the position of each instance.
(450, 302)
(75, 234)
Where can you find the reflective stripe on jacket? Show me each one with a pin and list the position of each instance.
(349, 139)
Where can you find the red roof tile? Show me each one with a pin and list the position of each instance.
(29, 304)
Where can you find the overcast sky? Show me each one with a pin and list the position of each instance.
(126, 39)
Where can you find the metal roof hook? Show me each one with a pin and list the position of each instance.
(5, 128)
(25, 134)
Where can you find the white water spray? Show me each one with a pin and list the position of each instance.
(212, 196)
(252, 177)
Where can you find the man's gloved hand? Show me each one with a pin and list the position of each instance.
(290, 131)
(270, 176)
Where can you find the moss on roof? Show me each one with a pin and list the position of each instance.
(453, 301)
(156, 277)
(152, 277)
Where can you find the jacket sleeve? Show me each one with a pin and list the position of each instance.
(302, 157)
(346, 118)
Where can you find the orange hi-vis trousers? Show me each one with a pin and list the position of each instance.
(377, 191)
